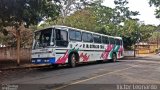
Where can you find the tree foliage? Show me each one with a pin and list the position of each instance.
(156, 3)
(83, 19)
(15, 12)
(122, 12)
(146, 31)
(9, 40)
(68, 7)
(130, 32)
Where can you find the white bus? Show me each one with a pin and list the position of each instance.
(66, 45)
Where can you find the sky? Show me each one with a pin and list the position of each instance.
(146, 12)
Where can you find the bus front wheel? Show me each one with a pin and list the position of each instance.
(54, 65)
(72, 60)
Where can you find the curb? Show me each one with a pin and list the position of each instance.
(23, 67)
(131, 58)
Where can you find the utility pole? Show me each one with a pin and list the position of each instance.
(157, 39)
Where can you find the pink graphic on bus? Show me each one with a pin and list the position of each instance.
(120, 51)
(105, 54)
(84, 57)
(63, 58)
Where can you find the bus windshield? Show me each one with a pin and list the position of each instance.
(43, 38)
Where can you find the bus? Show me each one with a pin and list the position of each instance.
(66, 45)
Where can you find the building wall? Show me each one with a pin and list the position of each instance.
(146, 49)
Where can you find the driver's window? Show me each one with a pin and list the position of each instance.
(64, 35)
(61, 38)
(61, 35)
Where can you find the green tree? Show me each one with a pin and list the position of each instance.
(122, 12)
(103, 16)
(133, 32)
(93, 18)
(67, 7)
(156, 3)
(154, 39)
(20, 13)
(83, 19)
(130, 33)
(110, 19)
(146, 31)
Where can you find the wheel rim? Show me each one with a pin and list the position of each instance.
(114, 57)
(73, 60)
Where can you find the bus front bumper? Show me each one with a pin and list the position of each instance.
(43, 60)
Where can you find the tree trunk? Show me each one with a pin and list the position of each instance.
(18, 47)
(135, 50)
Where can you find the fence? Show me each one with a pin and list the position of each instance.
(129, 53)
(8, 54)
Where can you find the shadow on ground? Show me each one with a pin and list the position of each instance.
(51, 68)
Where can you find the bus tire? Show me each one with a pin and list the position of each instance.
(114, 57)
(72, 60)
(54, 65)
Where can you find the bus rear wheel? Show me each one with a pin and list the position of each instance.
(114, 57)
(72, 60)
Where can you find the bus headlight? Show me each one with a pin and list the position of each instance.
(33, 61)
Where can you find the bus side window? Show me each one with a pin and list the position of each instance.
(58, 34)
(105, 40)
(112, 40)
(87, 37)
(97, 38)
(90, 37)
(118, 42)
(84, 37)
(121, 42)
(72, 35)
(75, 35)
(78, 36)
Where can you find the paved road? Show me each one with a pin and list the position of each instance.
(102, 76)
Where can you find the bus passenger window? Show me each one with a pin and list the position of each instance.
(105, 40)
(78, 36)
(75, 35)
(121, 42)
(97, 38)
(87, 37)
(118, 42)
(72, 35)
(112, 41)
